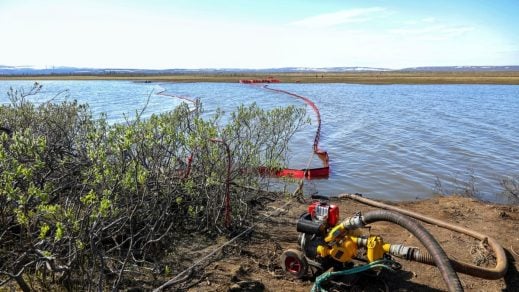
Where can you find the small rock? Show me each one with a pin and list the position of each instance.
(234, 288)
(248, 286)
(503, 215)
(237, 272)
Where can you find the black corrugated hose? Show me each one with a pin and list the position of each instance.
(439, 256)
(493, 273)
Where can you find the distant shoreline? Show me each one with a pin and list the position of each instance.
(400, 77)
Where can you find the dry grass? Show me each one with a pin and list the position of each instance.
(354, 77)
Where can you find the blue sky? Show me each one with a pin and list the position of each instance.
(258, 34)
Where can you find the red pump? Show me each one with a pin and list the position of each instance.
(321, 211)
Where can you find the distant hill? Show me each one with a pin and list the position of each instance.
(28, 70)
(462, 69)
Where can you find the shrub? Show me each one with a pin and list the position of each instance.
(82, 200)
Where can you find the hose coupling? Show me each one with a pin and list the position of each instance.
(345, 227)
(354, 222)
(400, 250)
(410, 253)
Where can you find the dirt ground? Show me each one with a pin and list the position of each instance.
(252, 263)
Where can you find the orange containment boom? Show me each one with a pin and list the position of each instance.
(308, 173)
(269, 79)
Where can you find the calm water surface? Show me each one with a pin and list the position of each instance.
(115, 98)
(385, 141)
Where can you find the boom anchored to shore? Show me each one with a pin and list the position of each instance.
(307, 173)
(323, 155)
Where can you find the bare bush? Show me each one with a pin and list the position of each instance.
(465, 186)
(510, 187)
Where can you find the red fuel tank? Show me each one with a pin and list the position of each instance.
(321, 211)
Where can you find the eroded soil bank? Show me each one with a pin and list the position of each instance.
(252, 263)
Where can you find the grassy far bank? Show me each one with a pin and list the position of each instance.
(319, 77)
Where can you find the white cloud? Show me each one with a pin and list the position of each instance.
(340, 17)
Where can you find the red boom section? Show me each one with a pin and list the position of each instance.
(269, 79)
(323, 155)
(249, 81)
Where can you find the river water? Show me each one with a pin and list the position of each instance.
(385, 141)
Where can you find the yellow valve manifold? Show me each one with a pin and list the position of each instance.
(341, 243)
(341, 251)
(345, 249)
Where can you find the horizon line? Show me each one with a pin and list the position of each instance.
(7, 67)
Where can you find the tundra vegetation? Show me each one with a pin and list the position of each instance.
(366, 77)
(85, 203)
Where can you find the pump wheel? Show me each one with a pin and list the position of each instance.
(294, 262)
